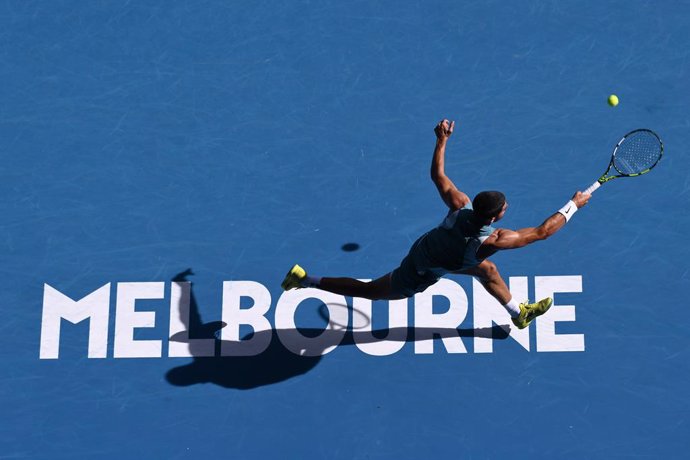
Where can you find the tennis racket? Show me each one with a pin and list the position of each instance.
(636, 154)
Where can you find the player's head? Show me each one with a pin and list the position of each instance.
(490, 205)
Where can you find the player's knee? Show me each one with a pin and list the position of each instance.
(489, 269)
(366, 289)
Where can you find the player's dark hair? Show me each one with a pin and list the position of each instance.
(488, 204)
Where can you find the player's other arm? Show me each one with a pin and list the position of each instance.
(454, 198)
(503, 239)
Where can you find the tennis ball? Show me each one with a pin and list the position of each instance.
(613, 100)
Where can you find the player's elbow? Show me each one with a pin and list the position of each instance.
(541, 234)
(436, 176)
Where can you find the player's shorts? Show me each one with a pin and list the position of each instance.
(411, 276)
(406, 281)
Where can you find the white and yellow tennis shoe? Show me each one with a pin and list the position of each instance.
(294, 278)
(529, 311)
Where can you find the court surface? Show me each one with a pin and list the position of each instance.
(150, 145)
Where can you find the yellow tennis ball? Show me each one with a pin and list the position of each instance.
(613, 100)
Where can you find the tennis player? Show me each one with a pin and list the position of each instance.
(461, 244)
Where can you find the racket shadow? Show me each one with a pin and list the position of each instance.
(271, 356)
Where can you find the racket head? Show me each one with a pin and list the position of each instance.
(637, 153)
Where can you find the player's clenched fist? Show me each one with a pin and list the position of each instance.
(444, 129)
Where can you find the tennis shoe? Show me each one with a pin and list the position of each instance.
(529, 311)
(294, 278)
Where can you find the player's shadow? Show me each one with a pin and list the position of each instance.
(290, 352)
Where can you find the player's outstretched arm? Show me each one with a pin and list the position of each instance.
(454, 198)
(503, 239)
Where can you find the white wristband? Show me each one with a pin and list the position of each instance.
(568, 210)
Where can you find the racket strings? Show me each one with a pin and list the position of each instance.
(637, 153)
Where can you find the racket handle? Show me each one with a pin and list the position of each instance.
(592, 188)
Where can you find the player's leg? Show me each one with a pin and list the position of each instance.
(487, 274)
(379, 289)
(521, 314)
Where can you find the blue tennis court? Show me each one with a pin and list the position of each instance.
(165, 163)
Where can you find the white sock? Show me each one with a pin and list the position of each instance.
(513, 308)
(311, 281)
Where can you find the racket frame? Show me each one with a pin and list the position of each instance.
(605, 177)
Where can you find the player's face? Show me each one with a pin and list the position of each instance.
(502, 213)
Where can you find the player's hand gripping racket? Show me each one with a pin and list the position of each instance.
(636, 154)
